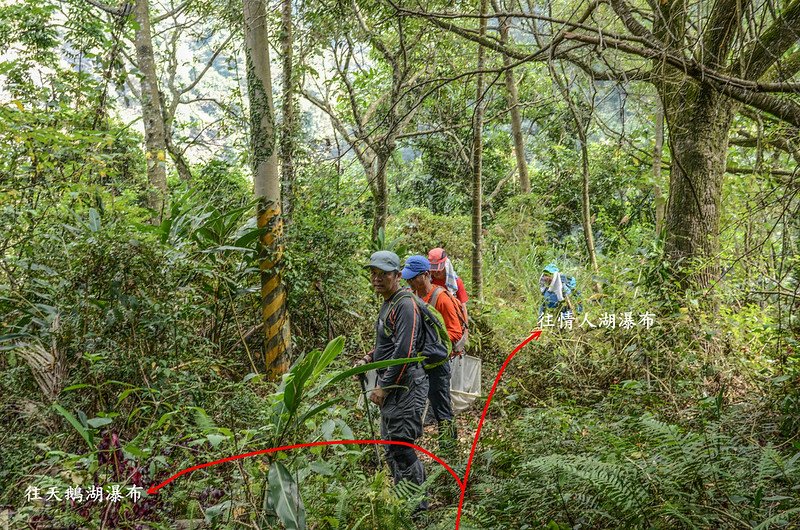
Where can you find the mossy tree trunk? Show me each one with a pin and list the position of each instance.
(698, 121)
(155, 136)
(289, 126)
(477, 166)
(266, 178)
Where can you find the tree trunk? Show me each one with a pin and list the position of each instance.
(179, 160)
(698, 121)
(267, 182)
(477, 162)
(586, 214)
(152, 118)
(380, 192)
(516, 118)
(657, 158)
(289, 126)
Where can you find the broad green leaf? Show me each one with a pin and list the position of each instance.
(332, 350)
(316, 410)
(362, 369)
(322, 468)
(94, 220)
(216, 439)
(226, 248)
(247, 238)
(296, 380)
(135, 451)
(83, 431)
(76, 387)
(98, 422)
(285, 498)
(214, 514)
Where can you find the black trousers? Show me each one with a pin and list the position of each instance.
(401, 420)
(439, 392)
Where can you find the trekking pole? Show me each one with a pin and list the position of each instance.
(363, 380)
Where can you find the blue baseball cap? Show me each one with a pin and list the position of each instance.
(552, 269)
(415, 265)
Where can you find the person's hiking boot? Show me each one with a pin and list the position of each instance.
(421, 509)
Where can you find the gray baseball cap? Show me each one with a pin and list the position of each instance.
(384, 260)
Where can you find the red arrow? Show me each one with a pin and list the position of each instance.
(462, 483)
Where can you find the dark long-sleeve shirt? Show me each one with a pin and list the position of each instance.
(399, 334)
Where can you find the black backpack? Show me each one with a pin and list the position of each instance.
(436, 346)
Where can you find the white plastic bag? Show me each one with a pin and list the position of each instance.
(465, 381)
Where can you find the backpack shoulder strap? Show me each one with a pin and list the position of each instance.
(435, 296)
(402, 296)
(459, 308)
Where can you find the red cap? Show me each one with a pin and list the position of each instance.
(437, 257)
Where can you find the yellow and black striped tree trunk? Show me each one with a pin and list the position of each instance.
(267, 184)
(277, 340)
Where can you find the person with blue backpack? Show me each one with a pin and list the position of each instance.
(401, 333)
(558, 290)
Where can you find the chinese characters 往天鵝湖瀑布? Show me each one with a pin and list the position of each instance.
(78, 494)
(567, 320)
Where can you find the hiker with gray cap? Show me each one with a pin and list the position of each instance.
(401, 390)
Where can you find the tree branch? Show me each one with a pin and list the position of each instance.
(499, 187)
(351, 95)
(633, 74)
(688, 66)
(172, 13)
(225, 108)
(773, 42)
(720, 31)
(742, 90)
(207, 66)
(391, 59)
(325, 107)
(121, 11)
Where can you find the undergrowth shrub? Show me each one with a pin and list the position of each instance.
(600, 470)
(326, 246)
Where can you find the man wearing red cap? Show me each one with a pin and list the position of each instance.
(443, 275)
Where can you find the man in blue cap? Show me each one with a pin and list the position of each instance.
(417, 273)
(401, 390)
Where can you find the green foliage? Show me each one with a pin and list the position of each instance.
(27, 28)
(130, 350)
(634, 472)
(284, 497)
(220, 184)
(439, 180)
(325, 247)
(418, 231)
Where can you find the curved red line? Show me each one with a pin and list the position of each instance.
(154, 489)
(534, 335)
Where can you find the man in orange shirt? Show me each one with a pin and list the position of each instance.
(417, 273)
(443, 274)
